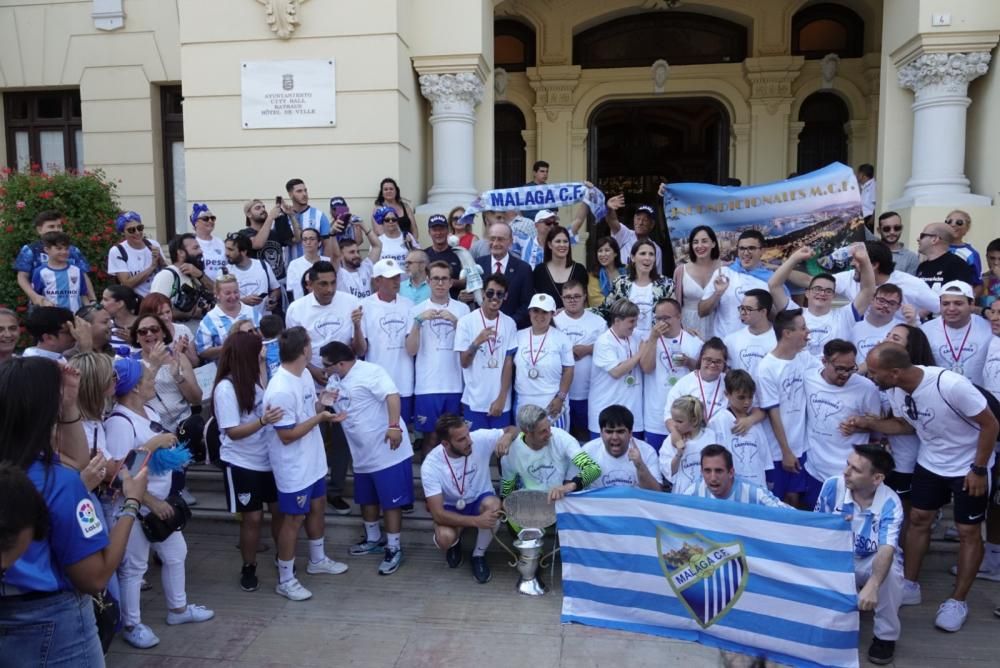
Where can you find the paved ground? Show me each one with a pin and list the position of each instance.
(428, 615)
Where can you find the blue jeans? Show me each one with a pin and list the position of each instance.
(58, 630)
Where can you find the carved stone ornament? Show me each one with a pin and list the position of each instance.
(500, 82)
(947, 73)
(449, 91)
(660, 72)
(282, 16)
(828, 69)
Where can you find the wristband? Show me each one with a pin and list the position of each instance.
(138, 502)
(134, 514)
(578, 481)
(978, 470)
(261, 420)
(417, 319)
(78, 418)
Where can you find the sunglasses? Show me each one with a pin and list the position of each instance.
(892, 228)
(87, 309)
(135, 228)
(455, 219)
(156, 427)
(233, 236)
(911, 407)
(152, 329)
(495, 294)
(924, 235)
(955, 221)
(207, 219)
(390, 219)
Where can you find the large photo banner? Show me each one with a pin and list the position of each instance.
(764, 581)
(821, 209)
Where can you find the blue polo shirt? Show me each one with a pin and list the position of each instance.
(75, 532)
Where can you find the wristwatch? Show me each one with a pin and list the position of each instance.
(978, 470)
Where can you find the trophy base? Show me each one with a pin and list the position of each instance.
(532, 587)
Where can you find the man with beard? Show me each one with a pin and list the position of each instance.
(187, 270)
(259, 287)
(890, 227)
(271, 233)
(354, 273)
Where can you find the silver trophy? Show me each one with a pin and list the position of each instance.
(532, 510)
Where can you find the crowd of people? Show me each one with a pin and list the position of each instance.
(341, 342)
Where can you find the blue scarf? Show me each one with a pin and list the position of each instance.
(606, 281)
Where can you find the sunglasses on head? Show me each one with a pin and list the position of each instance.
(132, 229)
(233, 236)
(87, 309)
(911, 407)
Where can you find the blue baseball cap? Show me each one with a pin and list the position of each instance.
(437, 220)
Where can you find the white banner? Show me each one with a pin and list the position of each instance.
(288, 94)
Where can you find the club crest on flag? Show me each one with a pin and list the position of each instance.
(707, 577)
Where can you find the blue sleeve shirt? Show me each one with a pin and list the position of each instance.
(75, 532)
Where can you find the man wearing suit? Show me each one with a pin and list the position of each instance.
(517, 273)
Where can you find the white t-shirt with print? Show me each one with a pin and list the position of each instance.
(136, 261)
(711, 394)
(620, 471)
(747, 349)
(947, 440)
(438, 369)
(482, 381)
(542, 469)
(657, 385)
(324, 323)
(838, 323)
(727, 314)
(299, 464)
(357, 283)
(609, 352)
(253, 451)
(394, 248)
(385, 325)
(126, 430)
(915, 291)
(689, 467)
(642, 296)
(294, 272)
(362, 396)
(751, 451)
(866, 336)
(782, 383)
(256, 280)
(581, 331)
(827, 406)
(963, 350)
(547, 354)
(991, 368)
(457, 478)
(213, 252)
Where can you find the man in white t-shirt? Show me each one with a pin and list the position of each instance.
(747, 346)
(781, 385)
(258, 286)
(957, 433)
(880, 319)
(135, 260)
(213, 249)
(459, 488)
(486, 341)
(834, 393)
(299, 463)
(545, 458)
(354, 273)
(673, 355)
(915, 291)
(624, 460)
(616, 377)
(380, 448)
(582, 326)
(960, 339)
(824, 321)
(385, 323)
(437, 386)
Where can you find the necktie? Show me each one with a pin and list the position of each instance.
(497, 270)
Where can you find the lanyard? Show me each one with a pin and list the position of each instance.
(961, 346)
(709, 408)
(666, 352)
(491, 342)
(465, 466)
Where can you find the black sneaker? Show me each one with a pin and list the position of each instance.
(481, 570)
(248, 578)
(338, 505)
(881, 651)
(454, 555)
(407, 509)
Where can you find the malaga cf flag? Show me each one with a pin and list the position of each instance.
(765, 581)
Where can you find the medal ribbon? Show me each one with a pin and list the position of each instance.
(491, 343)
(709, 408)
(628, 346)
(666, 351)
(465, 466)
(951, 348)
(531, 352)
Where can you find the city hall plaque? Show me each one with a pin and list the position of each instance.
(288, 94)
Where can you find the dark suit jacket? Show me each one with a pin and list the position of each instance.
(520, 286)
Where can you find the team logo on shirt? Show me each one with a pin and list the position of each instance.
(300, 500)
(823, 407)
(393, 326)
(542, 472)
(751, 357)
(618, 479)
(707, 577)
(328, 327)
(86, 518)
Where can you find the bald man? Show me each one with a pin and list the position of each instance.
(957, 432)
(941, 265)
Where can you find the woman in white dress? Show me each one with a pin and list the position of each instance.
(543, 365)
(694, 280)
(395, 243)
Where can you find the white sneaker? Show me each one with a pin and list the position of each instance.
(293, 590)
(951, 534)
(192, 613)
(984, 573)
(140, 636)
(911, 593)
(188, 497)
(328, 566)
(951, 615)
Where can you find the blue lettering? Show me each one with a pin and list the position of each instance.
(496, 199)
(550, 197)
(563, 194)
(577, 192)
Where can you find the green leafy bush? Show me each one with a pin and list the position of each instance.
(87, 200)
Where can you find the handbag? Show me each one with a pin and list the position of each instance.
(108, 614)
(158, 530)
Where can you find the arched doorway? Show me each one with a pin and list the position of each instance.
(509, 168)
(636, 145)
(823, 138)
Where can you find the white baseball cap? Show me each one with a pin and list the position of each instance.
(386, 268)
(543, 301)
(957, 288)
(544, 214)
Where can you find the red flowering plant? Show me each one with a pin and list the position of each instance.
(87, 200)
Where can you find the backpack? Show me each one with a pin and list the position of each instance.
(991, 402)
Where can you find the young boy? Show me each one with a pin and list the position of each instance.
(751, 450)
(991, 278)
(32, 256)
(57, 281)
(270, 327)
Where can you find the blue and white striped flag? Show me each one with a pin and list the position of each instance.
(765, 581)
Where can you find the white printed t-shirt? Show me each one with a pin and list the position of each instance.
(482, 381)
(609, 352)
(620, 471)
(657, 385)
(963, 350)
(465, 478)
(299, 464)
(827, 406)
(581, 331)
(253, 451)
(324, 323)
(385, 325)
(438, 368)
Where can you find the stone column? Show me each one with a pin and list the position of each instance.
(770, 80)
(940, 82)
(453, 99)
(795, 128)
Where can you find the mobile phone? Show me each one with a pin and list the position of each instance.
(134, 462)
(278, 200)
